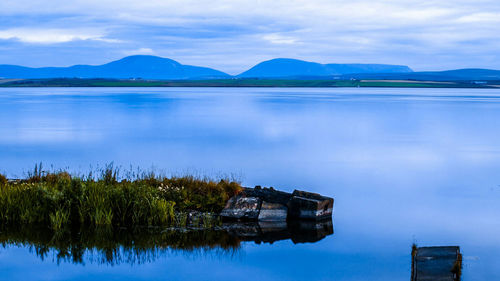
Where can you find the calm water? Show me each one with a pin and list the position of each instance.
(404, 166)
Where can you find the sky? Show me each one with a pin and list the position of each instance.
(234, 35)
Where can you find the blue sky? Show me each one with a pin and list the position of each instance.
(233, 35)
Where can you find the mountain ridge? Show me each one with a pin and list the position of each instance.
(465, 74)
(139, 66)
(286, 67)
(158, 68)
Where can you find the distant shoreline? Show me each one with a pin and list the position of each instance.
(258, 83)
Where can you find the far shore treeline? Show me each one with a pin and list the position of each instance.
(247, 82)
(60, 200)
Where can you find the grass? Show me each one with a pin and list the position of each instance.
(59, 219)
(59, 199)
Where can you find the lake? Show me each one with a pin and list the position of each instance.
(404, 166)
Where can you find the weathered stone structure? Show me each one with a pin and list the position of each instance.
(267, 204)
(241, 207)
(436, 264)
(306, 205)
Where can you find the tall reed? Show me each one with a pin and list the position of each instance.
(60, 200)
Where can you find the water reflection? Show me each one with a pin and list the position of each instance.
(270, 232)
(115, 246)
(404, 165)
(106, 245)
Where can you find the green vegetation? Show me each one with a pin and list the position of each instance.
(3, 180)
(61, 200)
(248, 82)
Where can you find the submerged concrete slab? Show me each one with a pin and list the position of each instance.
(436, 263)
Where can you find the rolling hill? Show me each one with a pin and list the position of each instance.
(471, 74)
(157, 68)
(146, 67)
(292, 68)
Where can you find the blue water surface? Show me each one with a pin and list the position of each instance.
(404, 166)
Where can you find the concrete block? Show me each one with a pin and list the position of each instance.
(436, 264)
(272, 212)
(307, 205)
(241, 207)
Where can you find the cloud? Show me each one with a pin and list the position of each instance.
(276, 38)
(140, 51)
(53, 36)
(483, 17)
(234, 34)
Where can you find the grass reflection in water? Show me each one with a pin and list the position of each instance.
(108, 245)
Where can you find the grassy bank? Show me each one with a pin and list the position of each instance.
(60, 200)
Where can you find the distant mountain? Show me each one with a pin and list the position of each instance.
(146, 67)
(283, 68)
(470, 73)
(157, 68)
(448, 75)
